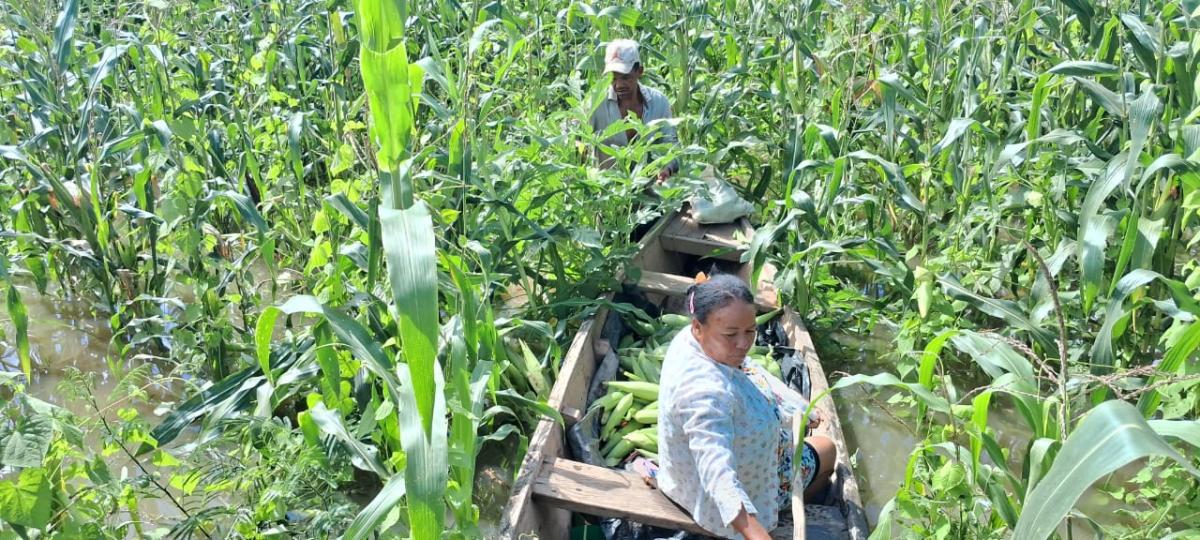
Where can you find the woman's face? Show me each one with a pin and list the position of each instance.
(728, 333)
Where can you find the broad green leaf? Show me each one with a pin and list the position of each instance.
(1187, 431)
(480, 33)
(29, 440)
(1038, 460)
(958, 127)
(887, 379)
(979, 418)
(426, 452)
(245, 207)
(1083, 68)
(386, 79)
(1143, 113)
(929, 359)
(381, 23)
(1172, 361)
(363, 455)
(64, 29)
(627, 15)
(533, 370)
(1145, 45)
(20, 322)
(1102, 349)
(409, 244)
(892, 173)
(993, 355)
(1109, 437)
(949, 476)
(1095, 228)
(1103, 97)
(340, 202)
(228, 395)
(885, 521)
(1003, 309)
(26, 500)
(1033, 126)
(374, 512)
(361, 342)
(1084, 10)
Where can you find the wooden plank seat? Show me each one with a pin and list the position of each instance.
(674, 285)
(603, 492)
(686, 235)
(614, 493)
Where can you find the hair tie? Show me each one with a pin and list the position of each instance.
(701, 277)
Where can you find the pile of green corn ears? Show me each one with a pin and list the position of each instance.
(629, 411)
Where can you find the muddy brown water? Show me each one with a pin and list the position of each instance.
(65, 335)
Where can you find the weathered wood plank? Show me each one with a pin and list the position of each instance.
(845, 485)
(674, 285)
(686, 235)
(605, 492)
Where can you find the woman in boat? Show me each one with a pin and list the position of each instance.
(725, 440)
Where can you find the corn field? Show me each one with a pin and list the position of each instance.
(341, 247)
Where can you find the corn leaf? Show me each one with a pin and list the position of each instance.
(922, 394)
(1187, 431)
(361, 342)
(1002, 309)
(1102, 349)
(20, 321)
(386, 79)
(408, 243)
(1172, 361)
(1102, 96)
(64, 29)
(1143, 113)
(1083, 68)
(376, 511)
(426, 452)
(362, 455)
(1112, 435)
(892, 173)
(1095, 228)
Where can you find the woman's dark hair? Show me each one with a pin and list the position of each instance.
(716, 293)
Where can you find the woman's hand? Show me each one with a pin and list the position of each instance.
(814, 419)
(748, 526)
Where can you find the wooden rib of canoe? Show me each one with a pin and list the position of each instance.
(550, 485)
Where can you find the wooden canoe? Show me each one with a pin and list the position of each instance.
(550, 485)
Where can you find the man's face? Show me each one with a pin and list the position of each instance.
(625, 84)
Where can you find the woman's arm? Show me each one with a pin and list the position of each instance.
(748, 526)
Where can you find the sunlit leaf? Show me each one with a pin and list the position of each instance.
(1110, 436)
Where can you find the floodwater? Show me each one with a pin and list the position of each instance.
(881, 434)
(64, 335)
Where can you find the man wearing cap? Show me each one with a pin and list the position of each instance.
(628, 96)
